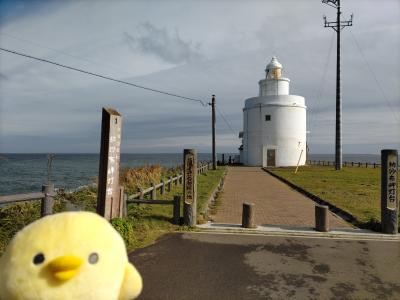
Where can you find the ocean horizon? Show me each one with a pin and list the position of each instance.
(26, 172)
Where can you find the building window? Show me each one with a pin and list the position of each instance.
(267, 117)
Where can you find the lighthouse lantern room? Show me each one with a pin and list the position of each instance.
(274, 123)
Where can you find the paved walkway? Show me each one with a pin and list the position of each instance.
(275, 202)
(250, 267)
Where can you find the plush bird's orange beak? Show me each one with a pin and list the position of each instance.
(64, 268)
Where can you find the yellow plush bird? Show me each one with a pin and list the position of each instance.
(71, 255)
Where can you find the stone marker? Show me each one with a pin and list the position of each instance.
(108, 194)
(389, 199)
(190, 187)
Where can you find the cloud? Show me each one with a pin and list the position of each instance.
(170, 47)
(225, 56)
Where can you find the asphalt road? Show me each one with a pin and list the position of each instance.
(231, 266)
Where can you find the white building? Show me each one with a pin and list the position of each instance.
(274, 123)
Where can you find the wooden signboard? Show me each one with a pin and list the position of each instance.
(109, 200)
(190, 186)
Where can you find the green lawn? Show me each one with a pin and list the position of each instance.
(143, 225)
(355, 190)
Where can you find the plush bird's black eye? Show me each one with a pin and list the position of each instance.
(38, 259)
(93, 258)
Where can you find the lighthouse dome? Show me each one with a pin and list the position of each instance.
(274, 64)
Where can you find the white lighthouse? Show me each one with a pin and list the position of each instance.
(274, 123)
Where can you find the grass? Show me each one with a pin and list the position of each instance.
(143, 224)
(355, 190)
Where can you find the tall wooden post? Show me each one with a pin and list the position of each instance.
(190, 187)
(214, 155)
(108, 194)
(389, 200)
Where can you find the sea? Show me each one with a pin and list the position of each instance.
(25, 173)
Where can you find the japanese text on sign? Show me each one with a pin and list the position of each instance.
(189, 164)
(391, 182)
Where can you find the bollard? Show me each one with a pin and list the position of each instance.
(48, 199)
(248, 215)
(153, 192)
(322, 218)
(389, 186)
(177, 210)
(162, 192)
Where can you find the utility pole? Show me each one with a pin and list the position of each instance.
(214, 162)
(338, 26)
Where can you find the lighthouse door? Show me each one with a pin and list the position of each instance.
(271, 158)
(268, 157)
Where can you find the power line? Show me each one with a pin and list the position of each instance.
(321, 86)
(104, 77)
(375, 78)
(58, 51)
(225, 120)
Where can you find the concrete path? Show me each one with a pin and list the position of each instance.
(275, 202)
(229, 266)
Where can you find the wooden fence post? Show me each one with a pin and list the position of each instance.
(177, 210)
(162, 192)
(140, 190)
(48, 199)
(389, 200)
(169, 183)
(190, 187)
(120, 208)
(125, 206)
(153, 191)
(108, 193)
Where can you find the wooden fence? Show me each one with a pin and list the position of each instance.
(48, 193)
(165, 185)
(47, 197)
(345, 164)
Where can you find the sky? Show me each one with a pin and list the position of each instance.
(195, 49)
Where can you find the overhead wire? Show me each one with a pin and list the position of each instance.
(321, 85)
(104, 77)
(36, 44)
(225, 120)
(375, 78)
